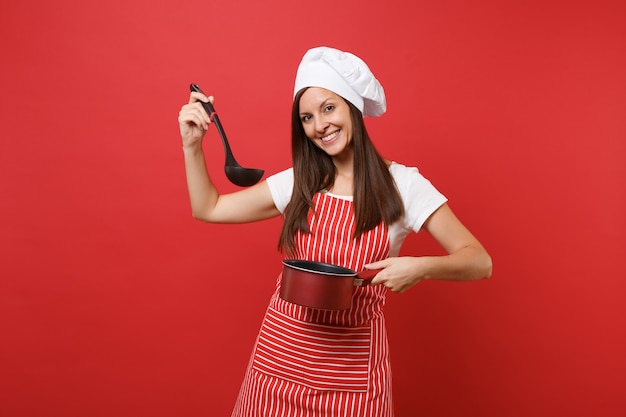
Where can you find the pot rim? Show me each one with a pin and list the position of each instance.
(334, 270)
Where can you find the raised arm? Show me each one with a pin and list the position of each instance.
(207, 204)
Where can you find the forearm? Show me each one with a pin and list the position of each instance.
(467, 264)
(203, 194)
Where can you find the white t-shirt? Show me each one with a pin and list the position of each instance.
(419, 196)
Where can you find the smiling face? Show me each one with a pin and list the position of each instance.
(325, 117)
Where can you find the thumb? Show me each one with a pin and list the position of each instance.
(377, 265)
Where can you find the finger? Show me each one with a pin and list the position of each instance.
(195, 96)
(202, 108)
(378, 280)
(378, 264)
(201, 112)
(195, 113)
(195, 117)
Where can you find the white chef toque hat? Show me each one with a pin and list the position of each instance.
(344, 74)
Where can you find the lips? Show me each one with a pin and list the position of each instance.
(330, 138)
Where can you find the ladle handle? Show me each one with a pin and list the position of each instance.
(208, 107)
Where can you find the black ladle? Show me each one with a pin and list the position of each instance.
(238, 175)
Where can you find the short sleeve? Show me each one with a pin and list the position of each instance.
(281, 188)
(420, 197)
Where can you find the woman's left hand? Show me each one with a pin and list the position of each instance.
(399, 273)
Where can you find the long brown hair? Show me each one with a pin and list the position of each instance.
(376, 197)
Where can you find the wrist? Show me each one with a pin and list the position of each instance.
(192, 149)
(423, 267)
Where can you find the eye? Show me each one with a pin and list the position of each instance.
(329, 108)
(305, 118)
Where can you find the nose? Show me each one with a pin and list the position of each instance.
(320, 124)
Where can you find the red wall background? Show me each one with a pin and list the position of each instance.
(114, 302)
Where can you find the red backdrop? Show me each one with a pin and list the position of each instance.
(114, 302)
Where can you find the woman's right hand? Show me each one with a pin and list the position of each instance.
(193, 120)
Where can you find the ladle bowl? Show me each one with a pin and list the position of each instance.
(238, 175)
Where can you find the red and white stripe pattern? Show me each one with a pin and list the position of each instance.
(330, 240)
(320, 363)
(322, 357)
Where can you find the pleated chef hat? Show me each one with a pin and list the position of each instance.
(344, 74)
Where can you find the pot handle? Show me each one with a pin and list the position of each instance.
(365, 277)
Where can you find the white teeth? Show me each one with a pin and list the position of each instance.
(330, 137)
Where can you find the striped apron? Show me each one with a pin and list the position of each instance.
(319, 363)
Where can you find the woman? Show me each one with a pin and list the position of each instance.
(342, 204)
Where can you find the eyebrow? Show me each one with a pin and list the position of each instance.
(322, 104)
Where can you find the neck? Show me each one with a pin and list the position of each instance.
(344, 167)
